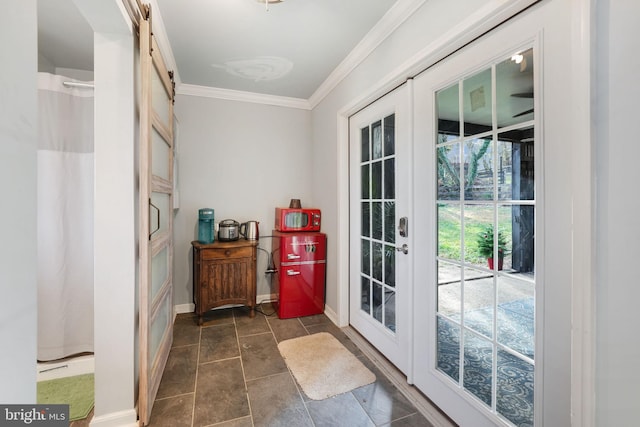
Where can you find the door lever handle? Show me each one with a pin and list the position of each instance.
(404, 249)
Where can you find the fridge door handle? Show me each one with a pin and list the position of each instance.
(292, 256)
(292, 273)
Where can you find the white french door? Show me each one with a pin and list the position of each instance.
(484, 350)
(380, 167)
(155, 218)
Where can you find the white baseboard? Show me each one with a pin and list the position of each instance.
(66, 368)
(331, 315)
(128, 418)
(265, 298)
(184, 308)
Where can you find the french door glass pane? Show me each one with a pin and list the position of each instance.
(485, 206)
(376, 180)
(516, 164)
(366, 217)
(378, 306)
(516, 225)
(390, 265)
(364, 144)
(514, 394)
(478, 234)
(365, 181)
(389, 221)
(448, 347)
(389, 135)
(389, 179)
(477, 114)
(516, 316)
(449, 231)
(478, 366)
(378, 256)
(514, 88)
(447, 104)
(478, 167)
(390, 309)
(378, 220)
(449, 289)
(448, 167)
(478, 288)
(366, 257)
(365, 301)
(376, 143)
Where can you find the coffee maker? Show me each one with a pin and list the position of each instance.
(206, 226)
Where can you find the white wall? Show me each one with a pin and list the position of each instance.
(618, 233)
(241, 159)
(115, 252)
(18, 142)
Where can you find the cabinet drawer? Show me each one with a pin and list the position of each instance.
(224, 253)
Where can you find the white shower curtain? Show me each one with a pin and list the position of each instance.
(65, 219)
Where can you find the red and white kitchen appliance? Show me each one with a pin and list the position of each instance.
(290, 220)
(300, 261)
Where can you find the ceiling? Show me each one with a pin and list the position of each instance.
(290, 54)
(288, 50)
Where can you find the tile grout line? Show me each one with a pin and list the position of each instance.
(244, 376)
(174, 396)
(289, 371)
(426, 409)
(228, 421)
(306, 407)
(252, 335)
(221, 360)
(195, 383)
(295, 383)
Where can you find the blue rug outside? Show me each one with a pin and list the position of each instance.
(515, 329)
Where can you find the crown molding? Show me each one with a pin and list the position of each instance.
(237, 95)
(394, 17)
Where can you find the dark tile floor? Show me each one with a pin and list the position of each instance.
(229, 373)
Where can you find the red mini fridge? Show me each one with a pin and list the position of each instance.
(300, 260)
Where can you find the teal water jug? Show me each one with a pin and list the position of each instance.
(206, 232)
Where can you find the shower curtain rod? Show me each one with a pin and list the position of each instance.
(78, 84)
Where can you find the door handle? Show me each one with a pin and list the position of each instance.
(292, 273)
(292, 256)
(152, 206)
(404, 249)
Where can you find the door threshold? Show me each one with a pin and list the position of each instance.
(422, 403)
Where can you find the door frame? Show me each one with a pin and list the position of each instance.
(581, 61)
(398, 102)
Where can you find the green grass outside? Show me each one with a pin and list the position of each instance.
(476, 218)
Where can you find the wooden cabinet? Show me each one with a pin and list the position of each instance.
(224, 273)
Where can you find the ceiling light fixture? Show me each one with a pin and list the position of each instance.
(267, 2)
